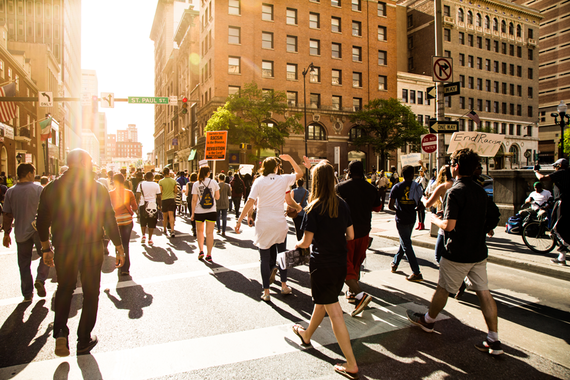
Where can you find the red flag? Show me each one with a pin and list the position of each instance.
(473, 116)
(7, 109)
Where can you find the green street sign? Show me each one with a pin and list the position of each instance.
(147, 100)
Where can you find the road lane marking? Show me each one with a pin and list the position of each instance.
(194, 354)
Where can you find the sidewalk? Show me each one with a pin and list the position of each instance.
(504, 249)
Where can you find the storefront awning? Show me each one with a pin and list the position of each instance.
(192, 155)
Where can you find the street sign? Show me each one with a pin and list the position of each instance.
(107, 100)
(429, 143)
(448, 90)
(86, 99)
(45, 99)
(147, 100)
(173, 100)
(436, 126)
(442, 69)
(216, 145)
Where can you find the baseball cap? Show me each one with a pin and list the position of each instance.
(561, 162)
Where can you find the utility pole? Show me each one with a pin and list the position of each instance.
(439, 85)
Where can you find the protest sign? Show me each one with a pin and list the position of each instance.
(411, 159)
(482, 143)
(216, 145)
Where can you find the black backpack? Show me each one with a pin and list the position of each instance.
(207, 200)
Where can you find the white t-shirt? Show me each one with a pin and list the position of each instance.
(540, 198)
(198, 189)
(150, 190)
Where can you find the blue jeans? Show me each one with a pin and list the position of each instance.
(268, 260)
(405, 232)
(125, 232)
(25, 262)
(223, 217)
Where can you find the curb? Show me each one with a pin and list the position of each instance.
(545, 270)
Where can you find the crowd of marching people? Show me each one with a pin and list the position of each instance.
(71, 220)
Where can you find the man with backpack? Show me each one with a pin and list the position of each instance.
(238, 189)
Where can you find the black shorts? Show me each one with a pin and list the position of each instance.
(327, 283)
(144, 220)
(168, 205)
(206, 217)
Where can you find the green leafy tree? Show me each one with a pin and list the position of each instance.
(386, 125)
(566, 142)
(256, 117)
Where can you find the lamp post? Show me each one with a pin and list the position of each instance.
(311, 69)
(564, 119)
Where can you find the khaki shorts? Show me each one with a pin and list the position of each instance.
(451, 275)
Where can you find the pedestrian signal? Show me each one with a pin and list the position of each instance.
(242, 146)
(184, 105)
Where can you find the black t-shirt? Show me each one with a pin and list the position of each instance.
(561, 179)
(405, 206)
(329, 241)
(361, 197)
(466, 203)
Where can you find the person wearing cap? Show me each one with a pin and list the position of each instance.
(362, 199)
(561, 210)
(539, 200)
(78, 210)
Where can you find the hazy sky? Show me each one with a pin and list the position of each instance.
(115, 43)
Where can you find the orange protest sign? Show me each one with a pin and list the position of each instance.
(216, 145)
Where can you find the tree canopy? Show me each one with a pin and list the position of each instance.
(386, 125)
(257, 117)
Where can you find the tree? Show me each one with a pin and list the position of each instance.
(386, 125)
(566, 142)
(250, 117)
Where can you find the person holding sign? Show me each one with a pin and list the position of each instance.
(205, 192)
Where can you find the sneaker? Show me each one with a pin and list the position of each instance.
(151, 243)
(272, 276)
(415, 277)
(40, 288)
(556, 261)
(493, 348)
(143, 240)
(209, 258)
(393, 267)
(364, 301)
(172, 234)
(201, 255)
(28, 299)
(418, 319)
(61, 346)
(85, 348)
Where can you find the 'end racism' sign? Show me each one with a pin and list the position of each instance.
(216, 145)
(484, 144)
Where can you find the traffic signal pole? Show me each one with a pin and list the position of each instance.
(438, 15)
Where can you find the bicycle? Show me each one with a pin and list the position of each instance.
(537, 234)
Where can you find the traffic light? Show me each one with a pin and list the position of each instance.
(242, 146)
(184, 106)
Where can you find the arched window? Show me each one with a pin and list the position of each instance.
(487, 22)
(519, 31)
(515, 151)
(503, 27)
(469, 17)
(354, 133)
(460, 16)
(478, 20)
(495, 25)
(316, 132)
(511, 29)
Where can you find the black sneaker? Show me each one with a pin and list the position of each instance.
(40, 288)
(493, 348)
(85, 348)
(364, 301)
(61, 346)
(418, 319)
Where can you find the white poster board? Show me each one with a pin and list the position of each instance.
(245, 169)
(482, 143)
(411, 159)
(202, 163)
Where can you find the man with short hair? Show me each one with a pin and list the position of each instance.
(168, 190)
(465, 224)
(21, 205)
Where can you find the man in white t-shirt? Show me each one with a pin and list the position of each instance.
(539, 197)
(150, 192)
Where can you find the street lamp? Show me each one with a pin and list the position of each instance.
(311, 69)
(562, 108)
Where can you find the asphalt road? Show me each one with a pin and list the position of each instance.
(181, 318)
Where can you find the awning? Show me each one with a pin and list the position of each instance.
(192, 155)
(168, 165)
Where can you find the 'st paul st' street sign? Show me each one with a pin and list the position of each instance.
(147, 100)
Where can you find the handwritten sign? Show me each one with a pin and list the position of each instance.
(411, 159)
(484, 144)
(216, 145)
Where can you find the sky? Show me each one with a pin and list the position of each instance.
(115, 42)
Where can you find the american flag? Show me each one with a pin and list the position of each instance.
(7, 109)
(473, 116)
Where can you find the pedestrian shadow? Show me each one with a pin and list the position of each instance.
(132, 298)
(89, 367)
(160, 255)
(62, 371)
(235, 281)
(182, 245)
(18, 341)
(109, 263)
(221, 244)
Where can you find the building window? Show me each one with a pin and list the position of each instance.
(381, 9)
(503, 48)
(496, 66)
(420, 97)
(470, 125)
(479, 63)
(232, 90)
(470, 17)
(315, 75)
(314, 21)
(335, 24)
(315, 101)
(234, 35)
(234, 7)
(335, 3)
(461, 59)
(447, 53)
(267, 69)
(411, 63)
(478, 20)
(356, 54)
(487, 22)
(404, 96)
(315, 132)
(496, 107)
(487, 106)
(488, 85)
(470, 82)
(382, 82)
(447, 35)
(292, 98)
(234, 65)
(336, 50)
(447, 101)
(519, 51)
(410, 42)
(470, 61)
(446, 10)
(291, 16)
(530, 93)
(315, 47)
(530, 74)
(462, 124)
(479, 84)
(410, 21)
(504, 67)
(291, 71)
(470, 40)
(470, 103)
(292, 44)
(267, 12)
(530, 54)
(488, 44)
(479, 42)
(356, 79)
(461, 38)
(504, 85)
(357, 28)
(512, 50)
(530, 33)
(462, 80)
(479, 105)
(495, 25)
(529, 112)
(382, 33)
(382, 57)
(356, 6)
(512, 89)
(503, 27)
(267, 40)
(336, 102)
(460, 15)
(412, 96)
(356, 104)
(354, 133)
(336, 77)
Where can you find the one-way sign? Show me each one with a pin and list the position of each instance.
(448, 90)
(436, 126)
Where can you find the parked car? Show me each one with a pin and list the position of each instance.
(489, 189)
(542, 167)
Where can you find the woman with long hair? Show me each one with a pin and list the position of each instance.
(202, 215)
(270, 224)
(328, 226)
(193, 178)
(125, 206)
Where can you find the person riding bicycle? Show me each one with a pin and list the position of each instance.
(540, 201)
